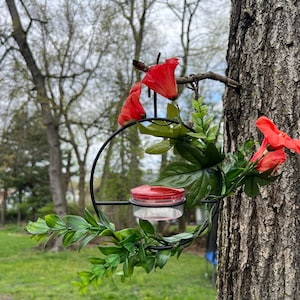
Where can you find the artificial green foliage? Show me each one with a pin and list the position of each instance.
(255, 180)
(160, 148)
(173, 112)
(203, 123)
(206, 173)
(131, 247)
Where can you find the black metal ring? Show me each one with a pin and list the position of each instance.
(113, 135)
(96, 203)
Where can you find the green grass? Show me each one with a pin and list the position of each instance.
(27, 274)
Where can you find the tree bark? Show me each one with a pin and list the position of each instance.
(3, 206)
(259, 253)
(55, 169)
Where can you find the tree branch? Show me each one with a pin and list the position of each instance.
(30, 18)
(193, 77)
(209, 75)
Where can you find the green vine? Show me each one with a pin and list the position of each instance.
(207, 174)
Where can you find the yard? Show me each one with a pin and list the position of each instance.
(27, 274)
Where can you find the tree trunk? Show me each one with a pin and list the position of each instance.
(55, 168)
(3, 207)
(81, 187)
(259, 253)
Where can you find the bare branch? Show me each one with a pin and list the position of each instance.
(209, 75)
(6, 53)
(30, 17)
(193, 78)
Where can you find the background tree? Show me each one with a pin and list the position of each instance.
(134, 17)
(259, 238)
(24, 164)
(19, 33)
(61, 70)
(86, 74)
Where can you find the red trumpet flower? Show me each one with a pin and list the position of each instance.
(275, 137)
(161, 78)
(268, 159)
(132, 108)
(271, 153)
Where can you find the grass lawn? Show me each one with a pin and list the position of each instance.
(27, 274)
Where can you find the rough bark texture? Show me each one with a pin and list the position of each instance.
(259, 238)
(3, 207)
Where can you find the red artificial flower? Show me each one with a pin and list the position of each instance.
(275, 137)
(272, 159)
(132, 108)
(268, 159)
(161, 78)
(271, 153)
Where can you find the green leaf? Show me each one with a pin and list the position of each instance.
(162, 257)
(106, 232)
(190, 152)
(54, 222)
(73, 236)
(212, 156)
(251, 187)
(159, 148)
(128, 235)
(142, 254)
(163, 129)
(208, 183)
(41, 237)
(86, 240)
(212, 131)
(85, 277)
(67, 239)
(88, 216)
(178, 237)
(197, 103)
(233, 174)
(126, 268)
(255, 180)
(38, 227)
(104, 221)
(160, 129)
(107, 250)
(147, 227)
(130, 247)
(76, 222)
(97, 261)
(113, 260)
(248, 146)
(179, 131)
(149, 264)
(178, 174)
(130, 267)
(197, 135)
(173, 111)
(207, 122)
(99, 270)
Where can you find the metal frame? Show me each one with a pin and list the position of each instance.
(184, 242)
(113, 135)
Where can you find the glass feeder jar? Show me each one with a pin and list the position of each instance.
(157, 203)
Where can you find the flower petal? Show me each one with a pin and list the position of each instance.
(275, 137)
(272, 159)
(161, 78)
(271, 132)
(132, 108)
(258, 155)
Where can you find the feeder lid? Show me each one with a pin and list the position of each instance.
(147, 192)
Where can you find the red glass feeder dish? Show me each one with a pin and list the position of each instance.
(157, 203)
